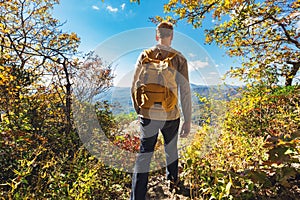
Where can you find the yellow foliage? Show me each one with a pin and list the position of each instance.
(45, 32)
(73, 36)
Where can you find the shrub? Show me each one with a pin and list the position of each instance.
(257, 152)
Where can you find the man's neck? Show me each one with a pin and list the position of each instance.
(165, 42)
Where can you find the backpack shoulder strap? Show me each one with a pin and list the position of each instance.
(170, 56)
(149, 54)
(149, 57)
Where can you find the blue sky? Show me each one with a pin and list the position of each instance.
(118, 30)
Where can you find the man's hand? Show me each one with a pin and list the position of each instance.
(185, 129)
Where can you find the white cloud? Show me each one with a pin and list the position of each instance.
(191, 55)
(130, 14)
(213, 73)
(111, 9)
(95, 7)
(123, 6)
(197, 64)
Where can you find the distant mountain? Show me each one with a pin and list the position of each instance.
(120, 97)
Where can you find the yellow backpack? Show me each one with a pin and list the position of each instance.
(156, 86)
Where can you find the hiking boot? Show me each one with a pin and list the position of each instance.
(178, 187)
(174, 185)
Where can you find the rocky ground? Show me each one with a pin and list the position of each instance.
(159, 189)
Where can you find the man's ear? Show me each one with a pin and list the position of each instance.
(156, 37)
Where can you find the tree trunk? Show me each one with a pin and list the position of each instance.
(68, 100)
(290, 76)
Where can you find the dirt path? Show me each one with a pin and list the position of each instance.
(159, 190)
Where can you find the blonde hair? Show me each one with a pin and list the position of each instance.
(164, 29)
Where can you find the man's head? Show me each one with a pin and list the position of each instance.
(164, 30)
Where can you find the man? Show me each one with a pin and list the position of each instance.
(157, 116)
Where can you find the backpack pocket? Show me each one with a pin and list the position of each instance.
(152, 96)
(157, 96)
(170, 100)
(152, 100)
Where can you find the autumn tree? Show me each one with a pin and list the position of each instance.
(265, 34)
(92, 78)
(34, 53)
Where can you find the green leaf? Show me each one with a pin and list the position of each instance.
(289, 151)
